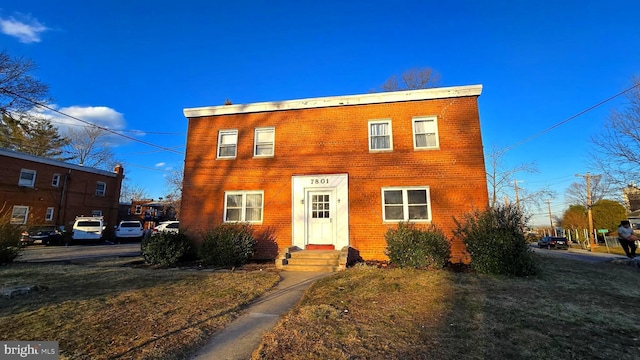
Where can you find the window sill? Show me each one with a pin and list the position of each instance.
(373, 151)
(226, 158)
(426, 149)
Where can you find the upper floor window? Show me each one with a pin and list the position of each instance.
(138, 209)
(27, 178)
(406, 204)
(96, 212)
(243, 206)
(425, 133)
(380, 135)
(19, 215)
(264, 141)
(49, 215)
(227, 144)
(55, 180)
(101, 188)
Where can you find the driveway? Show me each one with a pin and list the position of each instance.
(41, 253)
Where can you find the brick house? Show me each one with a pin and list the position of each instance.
(148, 211)
(336, 171)
(37, 191)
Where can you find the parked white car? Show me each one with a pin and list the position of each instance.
(167, 226)
(129, 230)
(88, 228)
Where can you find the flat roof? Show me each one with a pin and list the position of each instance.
(43, 160)
(347, 100)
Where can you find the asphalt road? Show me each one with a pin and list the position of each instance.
(578, 254)
(41, 253)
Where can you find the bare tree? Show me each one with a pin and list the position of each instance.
(132, 192)
(502, 183)
(600, 189)
(412, 79)
(19, 91)
(617, 145)
(89, 147)
(174, 183)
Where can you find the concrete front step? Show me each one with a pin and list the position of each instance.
(310, 260)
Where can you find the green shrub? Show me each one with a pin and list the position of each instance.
(496, 243)
(9, 240)
(228, 245)
(166, 249)
(409, 246)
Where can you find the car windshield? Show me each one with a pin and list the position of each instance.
(42, 228)
(130, 224)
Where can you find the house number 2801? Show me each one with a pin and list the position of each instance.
(319, 181)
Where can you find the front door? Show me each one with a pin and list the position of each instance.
(320, 217)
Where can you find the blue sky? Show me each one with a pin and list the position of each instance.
(135, 65)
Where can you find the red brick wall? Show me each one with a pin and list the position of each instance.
(79, 195)
(335, 140)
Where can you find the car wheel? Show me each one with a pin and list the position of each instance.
(540, 246)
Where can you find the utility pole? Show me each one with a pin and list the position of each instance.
(551, 219)
(515, 184)
(592, 242)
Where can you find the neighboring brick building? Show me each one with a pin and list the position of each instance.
(336, 171)
(37, 191)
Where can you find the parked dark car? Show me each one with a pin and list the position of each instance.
(45, 234)
(553, 242)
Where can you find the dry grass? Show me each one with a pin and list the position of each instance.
(574, 310)
(111, 310)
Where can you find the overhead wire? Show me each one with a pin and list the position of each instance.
(94, 125)
(570, 118)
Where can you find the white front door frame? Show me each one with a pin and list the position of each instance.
(332, 230)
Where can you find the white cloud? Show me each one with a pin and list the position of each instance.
(99, 115)
(27, 30)
(160, 164)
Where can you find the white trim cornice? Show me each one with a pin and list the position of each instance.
(363, 99)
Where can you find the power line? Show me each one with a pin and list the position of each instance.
(92, 124)
(571, 118)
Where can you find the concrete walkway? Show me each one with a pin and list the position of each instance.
(238, 340)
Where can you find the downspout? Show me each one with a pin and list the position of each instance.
(63, 199)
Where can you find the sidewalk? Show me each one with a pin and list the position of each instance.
(238, 340)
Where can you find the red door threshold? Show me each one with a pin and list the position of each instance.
(319, 247)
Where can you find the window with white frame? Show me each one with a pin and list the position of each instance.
(264, 141)
(27, 178)
(138, 209)
(101, 188)
(425, 132)
(55, 180)
(48, 216)
(406, 204)
(96, 212)
(227, 144)
(243, 206)
(19, 215)
(380, 138)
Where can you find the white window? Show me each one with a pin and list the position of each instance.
(49, 215)
(101, 188)
(96, 212)
(406, 204)
(264, 141)
(55, 180)
(27, 177)
(227, 144)
(380, 138)
(425, 133)
(243, 206)
(138, 209)
(19, 215)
